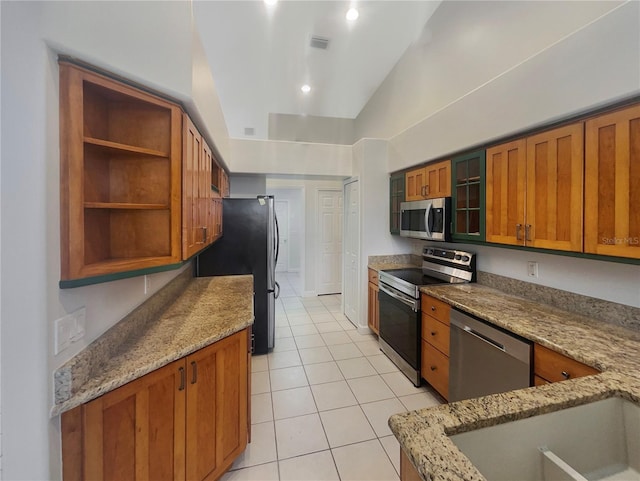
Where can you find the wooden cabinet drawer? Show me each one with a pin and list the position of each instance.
(435, 369)
(435, 333)
(373, 276)
(435, 308)
(553, 366)
(538, 381)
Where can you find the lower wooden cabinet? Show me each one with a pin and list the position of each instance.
(407, 471)
(373, 311)
(186, 420)
(434, 366)
(551, 366)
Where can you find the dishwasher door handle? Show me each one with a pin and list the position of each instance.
(484, 338)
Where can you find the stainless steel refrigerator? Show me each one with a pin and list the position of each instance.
(249, 245)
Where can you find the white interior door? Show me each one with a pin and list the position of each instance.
(351, 251)
(330, 211)
(282, 212)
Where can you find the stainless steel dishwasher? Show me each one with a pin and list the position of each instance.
(485, 359)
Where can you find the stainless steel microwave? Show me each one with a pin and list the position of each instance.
(426, 219)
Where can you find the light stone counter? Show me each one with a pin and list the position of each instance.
(199, 313)
(423, 434)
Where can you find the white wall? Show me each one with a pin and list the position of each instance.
(310, 128)
(246, 186)
(370, 157)
(298, 158)
(296, 223)
(310, 187)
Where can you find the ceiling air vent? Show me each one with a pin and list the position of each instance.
(249, 131)
(319, 42)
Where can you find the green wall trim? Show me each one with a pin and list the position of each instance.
(87, 281)
(580, 255)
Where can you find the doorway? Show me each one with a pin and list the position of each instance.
(352, 250)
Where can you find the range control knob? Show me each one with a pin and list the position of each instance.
(458, 257)
(465, 258)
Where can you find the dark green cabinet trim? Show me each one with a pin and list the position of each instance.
(87, 281)
(396, 190)
(458, 232)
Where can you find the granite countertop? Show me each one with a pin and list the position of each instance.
(207, 310)
(378, 266)
(423, 434)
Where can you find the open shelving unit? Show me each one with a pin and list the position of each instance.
(120, 176)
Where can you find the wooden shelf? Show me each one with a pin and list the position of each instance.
(124, 205)
(124, 148)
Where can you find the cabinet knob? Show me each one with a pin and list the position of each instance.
(433, 308)
(565, 374)
(433, 333)
(181, 371)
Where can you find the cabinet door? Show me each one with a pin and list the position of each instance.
(372, 313)
(468, 196)
(216, 425)
(505, 192)
(396, 195)
(438, 180)
(612, 184)
(555, 164)
(192, 233)
(205, 194)
(415, 182)
(136, 431)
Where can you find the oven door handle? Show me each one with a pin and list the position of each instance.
(412, 303)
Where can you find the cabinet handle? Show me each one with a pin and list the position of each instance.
(433, 308)
(565, 374)
(518, 229)
(426, 190)
(194, 372)
(204, 235)
(181, 371)
(433, 333)
(527, 232)
(433, 368)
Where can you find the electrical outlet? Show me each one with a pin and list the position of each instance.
(80, 317)
(64, 328)
(532, 269)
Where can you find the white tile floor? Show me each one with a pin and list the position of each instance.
(321, 400)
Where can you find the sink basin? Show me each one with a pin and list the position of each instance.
(595, 441)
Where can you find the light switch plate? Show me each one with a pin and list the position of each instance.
(80, 317)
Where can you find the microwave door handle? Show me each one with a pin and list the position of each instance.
(427, 220)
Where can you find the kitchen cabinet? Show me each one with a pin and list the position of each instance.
(468, 196)
(429, 182)
(373, 313)
(551, 366)
(186, 420)
(407, 471)
(201, 211)
(612, 184)
(435, 344)
(396, 196)
(119, 176)
(534, 190)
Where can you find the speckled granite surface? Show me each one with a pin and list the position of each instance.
(399, 261)
(615, 350)
(204, 311)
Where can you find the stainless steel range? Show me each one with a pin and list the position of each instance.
(399, 298)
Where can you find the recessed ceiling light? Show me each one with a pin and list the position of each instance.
(352, 14)
(270, 2)
(305, 89)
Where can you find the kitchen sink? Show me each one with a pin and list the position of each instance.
(595, 441)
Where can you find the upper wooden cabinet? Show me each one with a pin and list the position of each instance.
(429, 182)
(120, 153)
(468, 196)
(534, 190)
(396, 196)
(612, 184)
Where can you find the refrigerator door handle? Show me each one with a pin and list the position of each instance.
(277, 290)
(277, 241)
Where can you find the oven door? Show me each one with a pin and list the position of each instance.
(400, 328)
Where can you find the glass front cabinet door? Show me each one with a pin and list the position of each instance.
(396, 195)
(468, 180)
